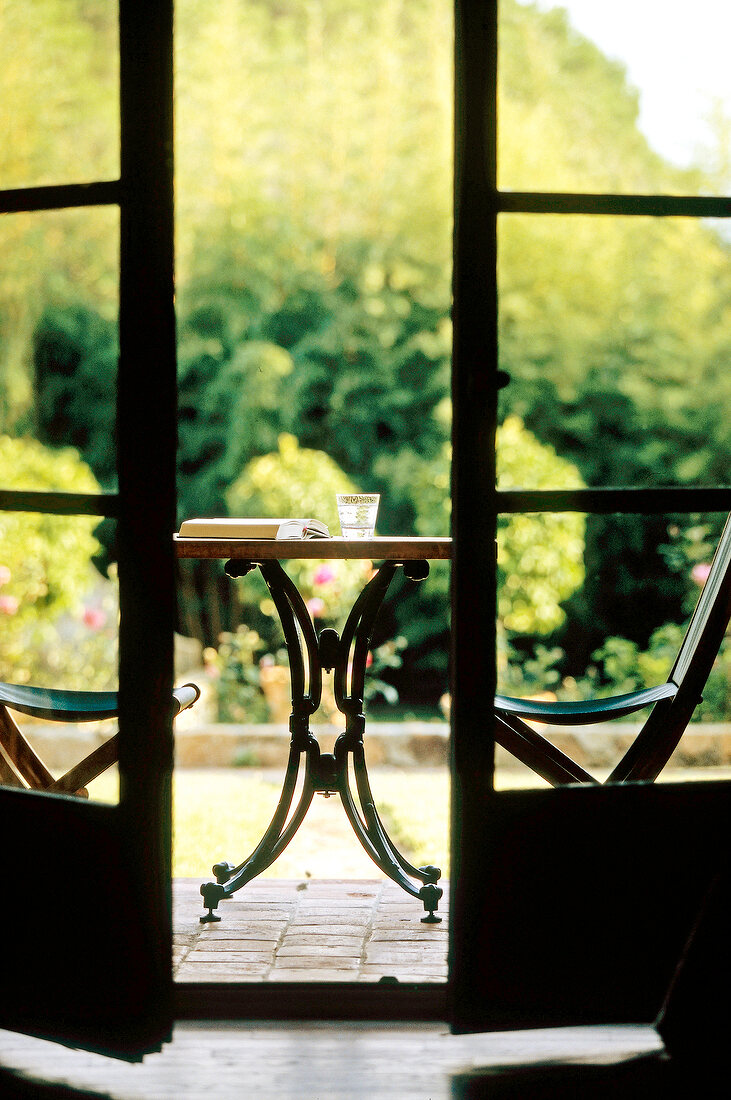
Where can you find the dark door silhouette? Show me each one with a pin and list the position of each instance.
(569, 905)
(86, 886)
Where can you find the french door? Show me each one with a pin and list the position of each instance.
(570, 905)
(87, 955)
(543, 880)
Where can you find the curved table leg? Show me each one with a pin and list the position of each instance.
(350, 666)
(306, 679)
(229, 878)
(370, 831)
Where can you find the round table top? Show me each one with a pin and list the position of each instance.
(381, 547)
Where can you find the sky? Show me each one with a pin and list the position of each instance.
(677, 67)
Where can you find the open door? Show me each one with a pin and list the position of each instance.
(87, 957)
(570, 905)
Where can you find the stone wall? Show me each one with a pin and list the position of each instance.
(202, 744)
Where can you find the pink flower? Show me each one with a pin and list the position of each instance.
(4, 574)
(94, 618)
(316, 607)
(700, 572)
(369, 660)
(325, 574)
(8, 604)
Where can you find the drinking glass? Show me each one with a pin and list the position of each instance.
(357, 514)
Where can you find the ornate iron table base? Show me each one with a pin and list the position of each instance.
(327, 773)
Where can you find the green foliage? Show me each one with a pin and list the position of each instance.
(234, 671)
(614, 330)
(533, 673)
(621, 666)
(383, 658)
(353, 361)
(568, 115)
(75, 364)
(59, 93)
(618, 667)
(58, 622)
(540, 557)
(319, 109)
(292, 481)
(369, 377)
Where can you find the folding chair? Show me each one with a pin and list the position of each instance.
(20, 764)
(673, 702)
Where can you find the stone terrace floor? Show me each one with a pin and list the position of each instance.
(281, 930)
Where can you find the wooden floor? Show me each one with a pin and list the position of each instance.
(309, 930)
(348, 1062)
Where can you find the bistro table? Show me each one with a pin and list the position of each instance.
(310, 653)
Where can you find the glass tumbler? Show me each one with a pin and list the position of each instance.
(357, 514)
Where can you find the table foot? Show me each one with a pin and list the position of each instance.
(212, 893)
(430, 894)
(208, 917)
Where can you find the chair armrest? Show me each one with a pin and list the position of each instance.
(185, 696)
(56, 705)
(584, 711)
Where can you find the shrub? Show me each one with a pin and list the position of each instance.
(295, 481)
(57, 618)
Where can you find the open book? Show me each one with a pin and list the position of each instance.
(253, 529)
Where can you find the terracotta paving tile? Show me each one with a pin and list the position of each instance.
(234, 923)
(231, 959)
(398, 935)
(234, 943)
(322, 939)
(227, 974)
(396, 954)
(240, 965)
(319, 951)
(314, 931)
(312, 975)
(312, 920)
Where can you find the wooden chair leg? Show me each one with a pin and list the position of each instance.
(76, 778)
(9, 774)
(25, 759)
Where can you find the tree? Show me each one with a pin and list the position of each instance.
(59, 89)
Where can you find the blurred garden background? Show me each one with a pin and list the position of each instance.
(314, 195)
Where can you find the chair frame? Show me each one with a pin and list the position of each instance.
(20, 764)
(673, 702)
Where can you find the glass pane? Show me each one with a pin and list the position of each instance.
(616, 98)
(59, 627)
(592, 607)
(59, 96)
(58, 345)
(615, 335)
